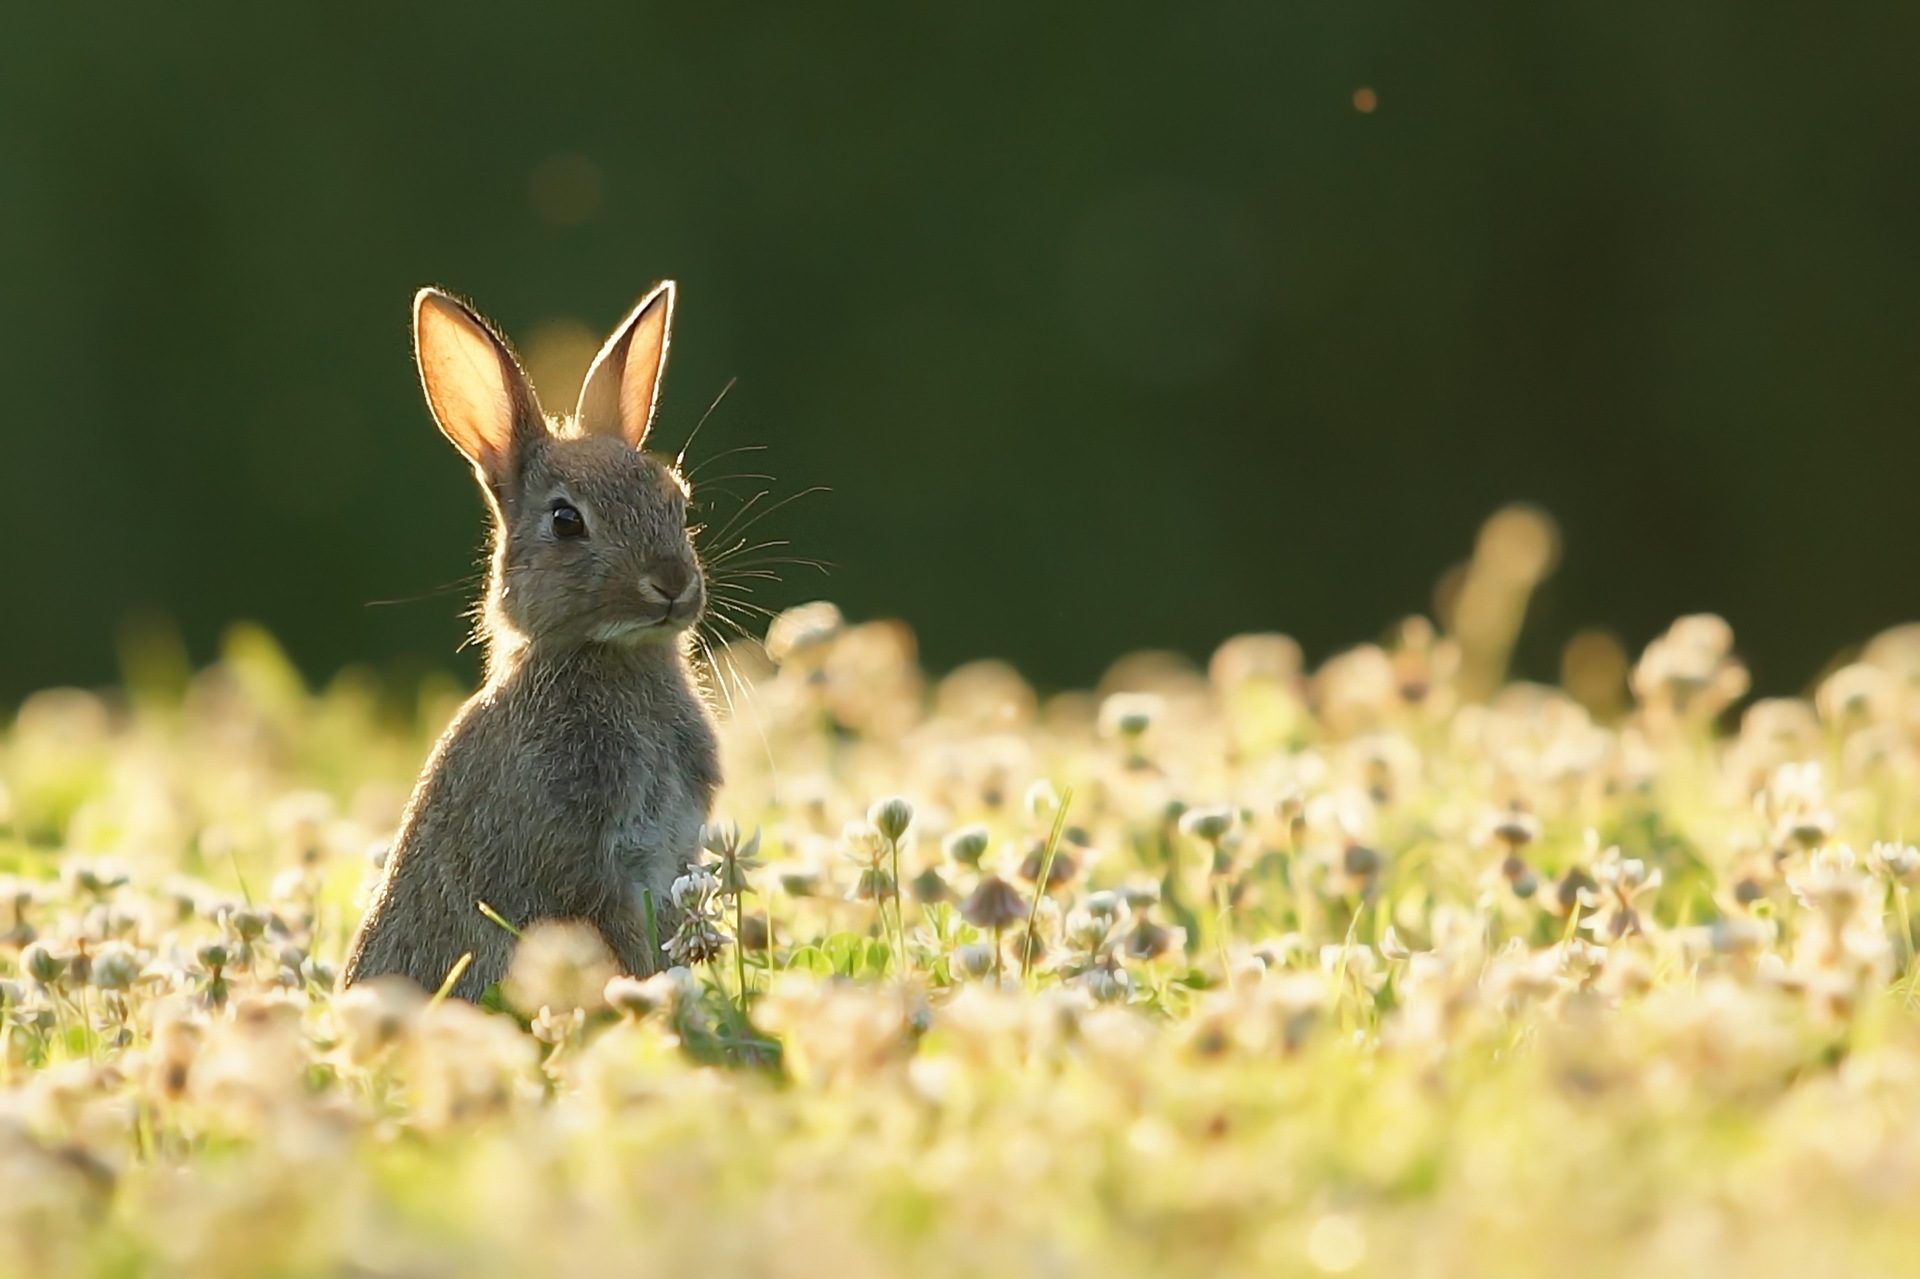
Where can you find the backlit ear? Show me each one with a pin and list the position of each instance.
(623, 385)
(479, 396)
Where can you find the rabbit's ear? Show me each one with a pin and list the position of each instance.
(479, 396)
(624, 383)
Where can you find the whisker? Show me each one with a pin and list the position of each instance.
(719, 486)
(742, 548)
(733, 602)
(737, 475)
(713, 667)
(744, 633)
(769, 510)
(748, 606)
(721, 672)
(738, 448)
(801, 560)
(445, 588)
(726, 530)
(694, 433)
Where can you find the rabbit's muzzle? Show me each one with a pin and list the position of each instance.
(676, 590)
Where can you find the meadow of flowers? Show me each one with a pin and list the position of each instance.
(1393, 966)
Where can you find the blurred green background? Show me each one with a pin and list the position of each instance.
(1108, 326)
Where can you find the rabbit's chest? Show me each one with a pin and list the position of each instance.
(653, 830)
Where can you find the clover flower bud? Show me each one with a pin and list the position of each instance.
(1807, 830)
(248, 923)
(1209, 824)
(1147, 940)
(116, 967)
(40, 962)
(95, 880)
(993, 904)
(1360, 862)
(1514, 829)
(798, 879)
(1573, 884)
(929, 886)
(1030, 947)
(967, 845)
(975, 960)
(1060, 873)
(891, 817)
(1131, 714)
(1106, 905)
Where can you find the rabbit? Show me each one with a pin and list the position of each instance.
(574, 783)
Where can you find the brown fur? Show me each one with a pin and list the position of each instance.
(574, 783)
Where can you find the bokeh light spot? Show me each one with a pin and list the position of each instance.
(558, 356)
(1335, 1244)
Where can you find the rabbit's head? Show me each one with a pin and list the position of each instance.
(590, 531)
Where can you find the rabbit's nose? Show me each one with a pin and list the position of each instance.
(670, 581)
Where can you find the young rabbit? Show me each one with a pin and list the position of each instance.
(574, 783)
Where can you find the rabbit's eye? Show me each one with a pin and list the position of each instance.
(567, 521)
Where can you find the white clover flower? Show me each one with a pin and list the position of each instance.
(694, 890)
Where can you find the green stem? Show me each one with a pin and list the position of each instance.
(1906, 926)
(653, 930)
(899, 909)
(1040, 887)
(453, 976)
(740, 946)
(1221, 904)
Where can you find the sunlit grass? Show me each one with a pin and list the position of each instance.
(1394, 967)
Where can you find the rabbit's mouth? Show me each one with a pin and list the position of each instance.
(637, 631)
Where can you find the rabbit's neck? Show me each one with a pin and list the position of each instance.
(656, 667)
